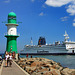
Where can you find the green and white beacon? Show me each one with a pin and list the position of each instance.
(11, 34)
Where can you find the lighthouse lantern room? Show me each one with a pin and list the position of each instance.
(11, 33)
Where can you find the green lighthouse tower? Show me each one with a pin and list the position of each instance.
(11, 33)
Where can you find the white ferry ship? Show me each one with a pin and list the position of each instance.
(63, 47)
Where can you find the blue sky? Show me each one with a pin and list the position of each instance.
(47, 18)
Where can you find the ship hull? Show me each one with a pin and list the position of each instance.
(49, 48)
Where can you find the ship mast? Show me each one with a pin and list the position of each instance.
(66, 36)
(31, 42)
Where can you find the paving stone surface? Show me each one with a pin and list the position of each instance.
(13, 70)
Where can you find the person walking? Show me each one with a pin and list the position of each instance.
(27, 56)
(31, 56)
(6, 59)
(10, 59)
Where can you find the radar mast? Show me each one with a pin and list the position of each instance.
(31, 42)
(66, 36)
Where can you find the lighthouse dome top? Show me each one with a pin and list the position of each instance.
(12, 18)
(11, 14)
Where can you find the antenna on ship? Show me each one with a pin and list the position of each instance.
(31, 42)
(66, 36)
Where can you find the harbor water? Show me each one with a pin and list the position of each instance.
(65, 60)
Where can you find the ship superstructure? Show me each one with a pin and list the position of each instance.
(57, 47)
(70, 45)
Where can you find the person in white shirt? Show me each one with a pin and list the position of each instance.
(10, 59)
(6, 58)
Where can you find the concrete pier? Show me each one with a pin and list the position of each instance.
(13, 70)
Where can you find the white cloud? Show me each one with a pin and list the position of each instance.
(6, 1)
(71, 9)
(57, 3)
(74, 24)
(41, 14)
(64, 18)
